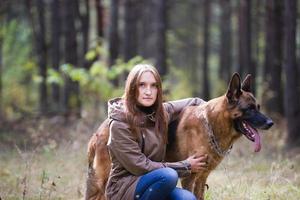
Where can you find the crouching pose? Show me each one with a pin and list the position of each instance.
(137, 125)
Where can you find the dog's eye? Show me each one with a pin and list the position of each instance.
(252, 107)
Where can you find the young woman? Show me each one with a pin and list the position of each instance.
(138, 138)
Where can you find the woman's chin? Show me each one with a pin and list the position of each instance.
(147, 103)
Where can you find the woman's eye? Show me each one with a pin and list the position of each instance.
(142, 84)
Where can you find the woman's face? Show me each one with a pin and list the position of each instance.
(147, 89)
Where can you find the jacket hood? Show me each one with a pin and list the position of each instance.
(116, 109)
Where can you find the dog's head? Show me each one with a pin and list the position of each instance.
(245, 111)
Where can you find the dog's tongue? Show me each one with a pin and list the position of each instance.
(256, 139)
(257, 142)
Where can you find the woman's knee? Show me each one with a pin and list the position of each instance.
(187, 195)
(169, 175)
(181, 194)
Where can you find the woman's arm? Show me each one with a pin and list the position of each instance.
(124, 147)
(174, 108)
(194, 163)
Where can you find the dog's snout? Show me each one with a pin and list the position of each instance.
(269, 124)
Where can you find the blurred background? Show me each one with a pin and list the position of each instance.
(61, 60)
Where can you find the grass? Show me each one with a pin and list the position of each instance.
(56, 170)
(255, 176)
(50, 174)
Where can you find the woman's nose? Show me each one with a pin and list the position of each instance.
(148, 90)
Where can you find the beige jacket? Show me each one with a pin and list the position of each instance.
(133, 157)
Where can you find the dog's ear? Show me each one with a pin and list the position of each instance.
(234, 89)
(246, 85)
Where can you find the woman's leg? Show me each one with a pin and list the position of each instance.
(181, 194)
(156, 184)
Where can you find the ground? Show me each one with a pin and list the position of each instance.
(47, 160)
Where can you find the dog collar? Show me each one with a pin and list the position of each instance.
(212, 139)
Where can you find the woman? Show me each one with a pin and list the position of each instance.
(138, 138)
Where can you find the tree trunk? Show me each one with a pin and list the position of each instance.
(146, 39)
(41, 52)
(55, 50)
(2, 24)
(82, 14)
(160, 30)
(206, 42)
(130, 29)
(273, 55)
(245, 53)
(292, 101)
(225, 51)
(1, 66)
(189, 53)
(258, 20)
(113, 35)
(99, 9)
(85, 27)
(71, 89)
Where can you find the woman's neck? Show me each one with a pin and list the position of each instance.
(146, 110)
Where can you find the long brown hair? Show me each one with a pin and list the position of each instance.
(133, 113)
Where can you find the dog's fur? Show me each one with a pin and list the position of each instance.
(99, 163)
(222, 119)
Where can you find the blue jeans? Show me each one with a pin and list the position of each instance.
(161, 184)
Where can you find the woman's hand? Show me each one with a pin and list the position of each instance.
(198, 162)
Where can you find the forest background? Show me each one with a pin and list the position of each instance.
(61, 60)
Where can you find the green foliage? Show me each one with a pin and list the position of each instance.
(177, 84)
(21, 78)
(54, 77)
(96, 82)
(93, 53)
(19, 68)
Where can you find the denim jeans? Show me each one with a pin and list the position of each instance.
(161, 184)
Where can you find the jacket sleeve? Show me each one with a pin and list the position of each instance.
(183, 168)
(174, 108)
(123, 146)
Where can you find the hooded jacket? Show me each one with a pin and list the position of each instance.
(133, 156)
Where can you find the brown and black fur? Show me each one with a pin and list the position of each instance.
(224, 115)
(98, 163)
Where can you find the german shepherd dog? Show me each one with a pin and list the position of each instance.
(210, 128)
